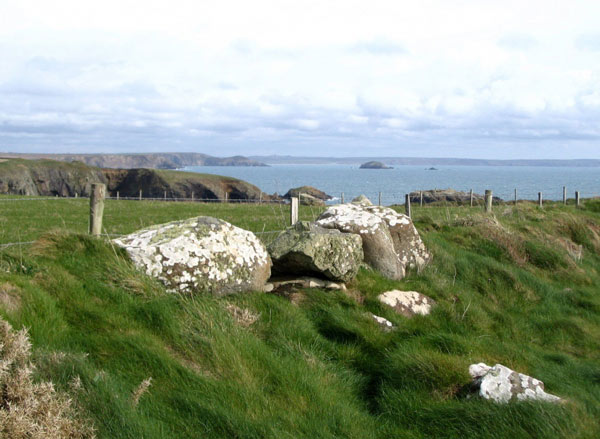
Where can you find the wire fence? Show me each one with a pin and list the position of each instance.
(274, 216)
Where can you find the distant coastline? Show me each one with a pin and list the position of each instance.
(424, 161)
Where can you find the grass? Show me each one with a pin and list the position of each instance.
(509, 289)
(24, 219)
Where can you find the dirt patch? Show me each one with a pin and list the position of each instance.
(10, 297)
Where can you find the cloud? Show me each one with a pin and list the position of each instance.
(589, 41)
(303, 79)
(517, 42)
(378, 47)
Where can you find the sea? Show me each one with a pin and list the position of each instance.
(393, 184)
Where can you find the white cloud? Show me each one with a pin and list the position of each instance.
(250, 77)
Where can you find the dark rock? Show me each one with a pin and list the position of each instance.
(307, 249)
(374, 165)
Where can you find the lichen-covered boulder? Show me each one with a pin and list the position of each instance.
(309, 250)
(200, 254)
(501, 384)
(407, 242)
(377, 242)
(407, 303)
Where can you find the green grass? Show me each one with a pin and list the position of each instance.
(508, 289)
(25, 219)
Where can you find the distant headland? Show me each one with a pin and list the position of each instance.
(160, 160)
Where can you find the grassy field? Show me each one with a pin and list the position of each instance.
(512, 288)
(24, 219)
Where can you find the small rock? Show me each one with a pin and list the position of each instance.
(383, 322)
(501, 384)
(407, 303)
(283, 285)
(362, 200)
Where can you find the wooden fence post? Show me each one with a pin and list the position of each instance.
(540, 200)
(192, 195)
(421, 199)
(471, 197)
(117, 195)
(140, 195)
(488, 200)
(380, 198)
(515, 196)
(260, 198)
(76, 194)
(97, 195)
(342, 198)
(407, 205)
(565, 195)
(576, 198)
(165, 196)
(226, 197)
(294, 210)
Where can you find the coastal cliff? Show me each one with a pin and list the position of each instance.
(50, 178)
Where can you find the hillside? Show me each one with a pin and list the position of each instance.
(518, 288)
(49, 178)
(165, 160)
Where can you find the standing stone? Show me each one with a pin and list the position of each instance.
(307, 249)
(200, 254)
(377, 243)
(407, 242)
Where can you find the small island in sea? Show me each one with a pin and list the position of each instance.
(375, 165)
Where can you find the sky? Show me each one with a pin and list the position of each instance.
(429, 78)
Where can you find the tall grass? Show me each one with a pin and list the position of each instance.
(314, 363)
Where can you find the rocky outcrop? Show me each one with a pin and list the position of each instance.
(501, 384)
(407, 303)
(310, 250)
(46, 177)
(308, 190)
(200, 255)
(447, 195)
(167, 160)
(391, 243)
(377, 243)
(374, 165)
(50, 178)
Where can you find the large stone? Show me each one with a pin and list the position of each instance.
(501, 384)
(306, 249)
(407, 303)
(407, 242)
(377, 242)
(200, 254)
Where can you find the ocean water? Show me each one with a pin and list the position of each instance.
(395, 183)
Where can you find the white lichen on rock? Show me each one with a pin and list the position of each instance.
(200, 254)
(501, 384)
(407, 303)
